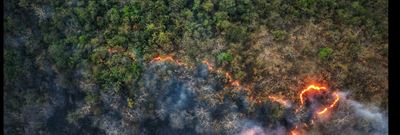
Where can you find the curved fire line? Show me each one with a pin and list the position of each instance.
(236, 83)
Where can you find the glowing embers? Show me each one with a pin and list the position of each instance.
(231, 81)
(293, 132)
(280, 101)
(314, 89)
(166, 58)
(209, 66)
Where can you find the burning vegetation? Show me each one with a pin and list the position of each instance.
(306, 95)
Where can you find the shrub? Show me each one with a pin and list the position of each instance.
(91, 98)
(325, 52)
(240, 74)
(235, 33)
(306, 3)
(13, 64)
(279, 34)
(223, 25)
(131, 103)
(82, 39)
(73, 117)
(225, 56)
(208, 6)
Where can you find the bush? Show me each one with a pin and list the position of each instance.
(225, 56)
(58, 52)
(240, 74)
(236, 33)
(13, 64)
(306, 3)
(325, 52)
(131, 103)
(223, 25)
(73, 117)
(208, 6)
(136, 69)
(358, 8)
(279, 34)
(82, 39)
(113, 16)
(91, 98)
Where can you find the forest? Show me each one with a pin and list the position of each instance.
(265, 67)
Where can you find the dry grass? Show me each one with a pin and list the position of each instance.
(357, 64)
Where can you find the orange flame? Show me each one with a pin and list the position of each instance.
(294, 132)
(231, 81)
(208, 65)
(309, 88)
(165, 58)
(235, 83)
(228, 76)
(330, 106)
(319, 89)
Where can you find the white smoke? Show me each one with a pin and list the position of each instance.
(253, 131)
(250, 127)
(371, 114)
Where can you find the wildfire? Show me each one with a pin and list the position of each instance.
(231, 81)
(314, 88)
(252, 97)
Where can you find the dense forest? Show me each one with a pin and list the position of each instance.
(194, 66)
